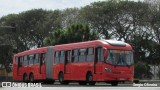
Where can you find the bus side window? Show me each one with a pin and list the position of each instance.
(25, 62)
(56, 57)
(90, 54)
(42, 59)
(16, 60)
(36, 58)
(19, 61)
(75, 55)
(82, 55)
(67, 56)
(30, 58)
(61, 57)
(99, 54)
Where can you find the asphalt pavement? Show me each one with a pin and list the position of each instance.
(102, 84)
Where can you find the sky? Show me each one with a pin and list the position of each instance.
(17, 6)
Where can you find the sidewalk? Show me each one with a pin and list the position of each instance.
(149, 80)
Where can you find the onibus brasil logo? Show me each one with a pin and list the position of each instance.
(14, 84)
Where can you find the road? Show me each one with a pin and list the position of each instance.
(101, 84)
(98, 84)
(76, 86)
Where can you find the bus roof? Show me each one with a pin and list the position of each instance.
(31, 51)
(111, 43)
(116, 43)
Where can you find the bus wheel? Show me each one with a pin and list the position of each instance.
(25, 79)
(90, 79)
(114, 83)
(82, 83)
(31, 77)
(61, 79)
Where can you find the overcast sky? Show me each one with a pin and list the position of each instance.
(17, 6)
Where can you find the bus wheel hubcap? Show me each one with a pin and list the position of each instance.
(61, 78)
(90, 78)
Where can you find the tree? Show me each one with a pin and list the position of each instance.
(6, 52)
(154, 24)
(75, 33)
(70, 16)
(142, 70)
(115, 18)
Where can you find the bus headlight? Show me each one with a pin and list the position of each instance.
(108, 69)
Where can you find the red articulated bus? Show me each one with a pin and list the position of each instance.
(85, 62)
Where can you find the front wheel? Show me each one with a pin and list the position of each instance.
(90, 79)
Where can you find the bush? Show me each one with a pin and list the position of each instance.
(142, 70)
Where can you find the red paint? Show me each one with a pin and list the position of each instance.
(77, 70)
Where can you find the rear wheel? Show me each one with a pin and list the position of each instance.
(61, 79)
(31, 77)
(25, 78)
(90, 79)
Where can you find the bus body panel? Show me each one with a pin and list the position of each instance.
(79, 70)
(76, 71)
(18, 72)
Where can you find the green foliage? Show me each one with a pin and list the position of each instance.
(75, 33)
(117, 19)
(5, 52)
(142, 70)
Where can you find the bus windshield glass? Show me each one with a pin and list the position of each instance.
(120, 57)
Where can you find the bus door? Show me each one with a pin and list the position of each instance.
(19, 65)
(42, 63)
(67, 66)
(98, 60)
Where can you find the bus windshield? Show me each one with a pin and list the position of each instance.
(119, 57)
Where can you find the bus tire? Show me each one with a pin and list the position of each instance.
(114, 83)
(31, 77)
(90, 79)
(25, 78)
(61, 79)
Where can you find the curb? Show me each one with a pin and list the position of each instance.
(149, 80)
